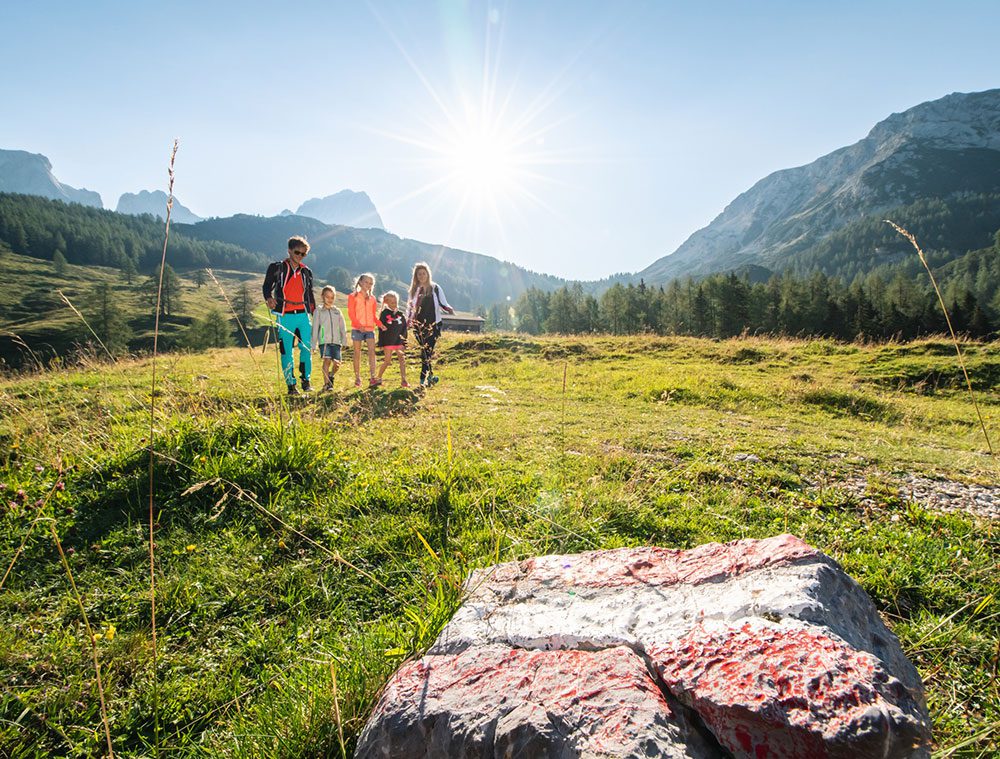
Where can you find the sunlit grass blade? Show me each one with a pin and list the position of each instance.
(951, 329)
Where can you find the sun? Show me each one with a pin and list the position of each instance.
(483, 151)
(483, 162)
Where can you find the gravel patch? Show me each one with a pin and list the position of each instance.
(937, 495)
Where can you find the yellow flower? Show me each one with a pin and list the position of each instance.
(281, 544)
(191, 547)
(110, 632)
(97, 636)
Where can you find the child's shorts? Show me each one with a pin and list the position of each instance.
(393, 347)
(361, 335)
(330, 350)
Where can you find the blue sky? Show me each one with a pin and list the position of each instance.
(575, 138)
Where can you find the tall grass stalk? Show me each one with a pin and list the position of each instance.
(73, 308)
(152, 421)
(239, 322)
(336, 710)
(562, 430)
(20, 343)
(90, 636)
(282, 406)
(951, 329)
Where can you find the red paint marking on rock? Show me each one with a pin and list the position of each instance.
(786, 693)
(604, 701)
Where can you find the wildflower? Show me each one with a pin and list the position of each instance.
(39, 503)
(110, 632)
(39, 468)
(60, 486)
(281, 544)
(20, 495)
(190, 547)
(98, 636)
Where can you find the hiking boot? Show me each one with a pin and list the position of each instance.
(292, 390)
(328, 386)
(306, 387)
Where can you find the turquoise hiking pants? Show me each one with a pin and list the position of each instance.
(291, 326)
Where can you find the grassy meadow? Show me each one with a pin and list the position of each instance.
(304, 550)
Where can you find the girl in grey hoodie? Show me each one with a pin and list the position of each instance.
(329, 334)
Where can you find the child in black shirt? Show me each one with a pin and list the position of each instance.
(392, 336)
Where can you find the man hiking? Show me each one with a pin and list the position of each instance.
(288, 292)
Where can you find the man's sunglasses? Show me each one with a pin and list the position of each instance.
(298, 252)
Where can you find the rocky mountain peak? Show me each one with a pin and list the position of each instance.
(155, 203)
(347, 208)
(31, 174)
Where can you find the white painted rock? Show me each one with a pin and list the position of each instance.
(763, 649)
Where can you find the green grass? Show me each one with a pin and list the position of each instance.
(32, 310)
(326, 542)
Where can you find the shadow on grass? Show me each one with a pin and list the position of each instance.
(368, 405)
(200, 470)
(841, 403)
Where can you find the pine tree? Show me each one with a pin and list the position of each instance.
(59, 263)
(129, 271)
(208, 331)
(104, 314)
(243, 304)
(170, 292)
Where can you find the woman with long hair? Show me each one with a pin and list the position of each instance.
(424, 312)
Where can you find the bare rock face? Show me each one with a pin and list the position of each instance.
(761, 649)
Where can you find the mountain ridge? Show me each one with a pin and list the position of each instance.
(954, 141)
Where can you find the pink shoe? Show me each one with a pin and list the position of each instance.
(404, 384)
(374, 382)
(357, 382)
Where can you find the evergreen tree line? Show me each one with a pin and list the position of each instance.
(871, 306)
(69, 232)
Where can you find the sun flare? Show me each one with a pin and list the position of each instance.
(483, 150)
(483, 162)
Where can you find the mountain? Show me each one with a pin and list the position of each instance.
(31, 174)
(351, 209)
(946, 149)
(340, 253)
(155, 203)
